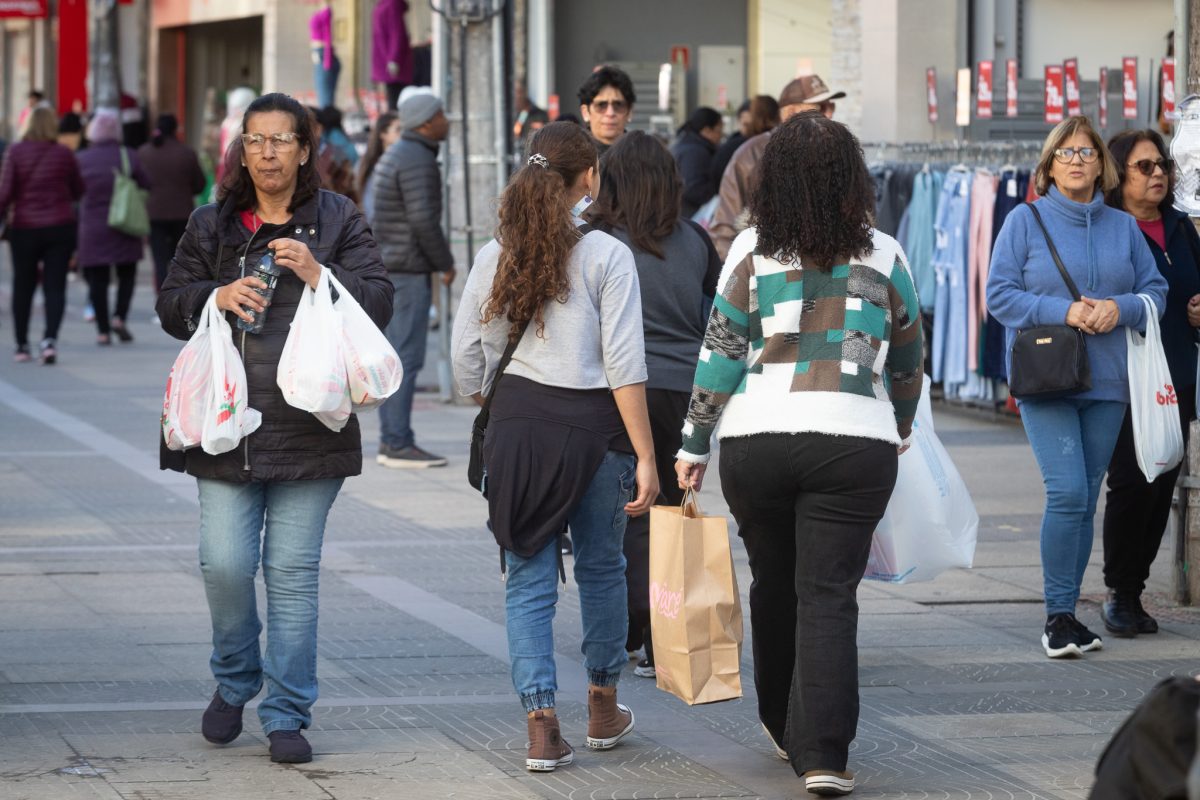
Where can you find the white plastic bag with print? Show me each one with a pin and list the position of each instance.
(931, 523)
(373, 368)
(312, 367)
(1153, 404)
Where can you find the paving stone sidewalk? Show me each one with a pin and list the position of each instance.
(104, 632)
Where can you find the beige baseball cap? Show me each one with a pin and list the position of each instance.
(807, 89)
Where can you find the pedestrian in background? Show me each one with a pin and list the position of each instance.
(103, 250)
(336, 171)
(733, 141)
(1136, 512)
(566, 423)
(70, 131)
(808, 93)
(638, 204)
(606, 104)
(385, 133)
(332, 132)
(1073, 437)
(408, 226)
(694, 149)
(812, 364)
(175, 179)
(267, 500)
(40, 183)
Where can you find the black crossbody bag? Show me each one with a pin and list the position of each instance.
(476, 471)
(1050, 361)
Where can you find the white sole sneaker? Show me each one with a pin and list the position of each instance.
(548, 764)
(645, 672)
(404, 463)
(611, 742)
(779, 751)
(1070, 650)
(1097, 644)
(829, 785)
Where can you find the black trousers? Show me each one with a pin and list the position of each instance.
(97, 279)
(1135, 511)
(51, 248)
(667, 410)
(807, 506)
(164, 240)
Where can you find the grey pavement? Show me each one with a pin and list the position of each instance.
(104, 632)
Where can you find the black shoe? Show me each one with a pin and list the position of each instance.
(645, 669)
(1086, 640)
(222, 723)
(407, 458)
(1145, 622)
(121, 331)
(289, 747)
(1118, 614)
(1058, 637)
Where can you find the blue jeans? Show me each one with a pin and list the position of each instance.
(231, 522)
(408, 332)
(950, 271)
(597, 532)
(1073, 441)
(325, 80)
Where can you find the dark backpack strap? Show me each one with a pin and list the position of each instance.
(1054, 253)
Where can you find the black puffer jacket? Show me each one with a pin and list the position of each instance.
(408, 207)
(291, 444)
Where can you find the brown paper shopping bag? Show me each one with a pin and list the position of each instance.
(695, 609)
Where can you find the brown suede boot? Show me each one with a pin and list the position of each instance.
(608, 721)
(547, 748)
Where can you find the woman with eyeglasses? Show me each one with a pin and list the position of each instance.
(267, 500)
(1135, 512)
(1073, 437)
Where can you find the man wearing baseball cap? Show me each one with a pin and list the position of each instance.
(807, 93)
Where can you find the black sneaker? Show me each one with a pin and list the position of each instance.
(1086, 640)
(1058, 638)
(222, 723)
(407, 458)
(645, 669)
(1118, 615)
(289, 747)
(1145, 622)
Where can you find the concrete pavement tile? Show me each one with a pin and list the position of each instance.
(155, 593)
(989, 726)
(981, 585)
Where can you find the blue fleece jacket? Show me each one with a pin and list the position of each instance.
(1107, 257)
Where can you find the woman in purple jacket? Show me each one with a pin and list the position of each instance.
(40, 181)
(102, 248)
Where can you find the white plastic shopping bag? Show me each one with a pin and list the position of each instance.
(373, 368)
(931, 523)
(206, 401)
(1153, 404)
(312, 367)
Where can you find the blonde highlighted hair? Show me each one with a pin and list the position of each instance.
(41, 125)
(1108, 178)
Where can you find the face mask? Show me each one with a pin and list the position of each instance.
(582, 206)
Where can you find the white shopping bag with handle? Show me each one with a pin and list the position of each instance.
(1153, 404)
(312, 367)
(373, 368)
(931, 523)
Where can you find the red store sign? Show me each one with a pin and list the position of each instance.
(1071, 84)
(1054, 93)
(931, 97)
(1010, 87)
(1104, 97)
(23, 8)
(983, 91)
(1168, 88)
(1129, 92)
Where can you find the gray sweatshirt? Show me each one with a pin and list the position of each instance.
(592, 341)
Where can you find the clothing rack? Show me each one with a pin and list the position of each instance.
(968, 154)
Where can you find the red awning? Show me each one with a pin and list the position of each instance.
(22, 8)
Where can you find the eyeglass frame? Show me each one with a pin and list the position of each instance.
(617, 106)
(1167, 165)
(1076, 151)
(280, 142)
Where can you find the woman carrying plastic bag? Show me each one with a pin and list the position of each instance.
(1153, 405)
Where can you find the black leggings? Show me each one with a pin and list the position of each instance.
(97, 279)
(164, 239)
(51, 248)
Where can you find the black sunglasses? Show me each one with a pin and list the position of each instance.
(1146, 166)
(618, 106)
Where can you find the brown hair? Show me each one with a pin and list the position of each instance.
(366, 165)
(237, 184)
(1121, 147)
(640, 191)
(536, 230)
(41, 126)
(1063, 131)
(764, 114)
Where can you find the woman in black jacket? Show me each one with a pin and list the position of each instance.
(694, 150)
(1135, 514)
(288, 472)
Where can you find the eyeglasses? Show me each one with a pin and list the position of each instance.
(280, 142)
(1065, 155)
(1146, 166)
(618, 106)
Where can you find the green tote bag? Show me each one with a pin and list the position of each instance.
(127, 210)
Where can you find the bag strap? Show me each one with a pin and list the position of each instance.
(1054, 253)
(125, 169)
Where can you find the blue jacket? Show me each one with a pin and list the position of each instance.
(1107, 257)
(1180, 265)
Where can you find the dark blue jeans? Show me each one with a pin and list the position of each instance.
(408, 332)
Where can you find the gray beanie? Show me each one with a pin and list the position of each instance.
(418, 109)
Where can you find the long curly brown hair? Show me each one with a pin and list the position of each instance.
(814, 199)
(536, 230)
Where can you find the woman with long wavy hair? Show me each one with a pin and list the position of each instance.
(569, 438)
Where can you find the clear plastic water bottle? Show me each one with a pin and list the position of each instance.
(268, 272)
